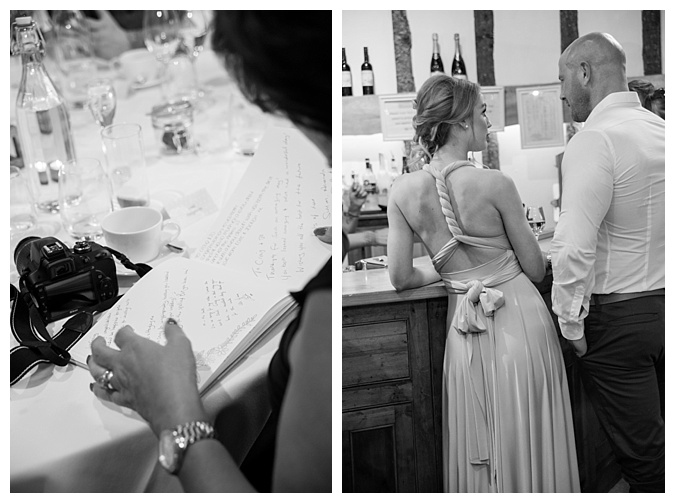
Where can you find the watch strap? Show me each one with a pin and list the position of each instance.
(194, 431)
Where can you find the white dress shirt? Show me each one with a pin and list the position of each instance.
(611, 234)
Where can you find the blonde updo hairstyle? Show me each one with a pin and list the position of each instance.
(441, 102)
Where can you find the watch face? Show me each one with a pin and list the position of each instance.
(169, 451)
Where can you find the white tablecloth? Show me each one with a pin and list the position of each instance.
(62, 438)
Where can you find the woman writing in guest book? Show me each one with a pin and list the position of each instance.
(507, 422)
(267, 54)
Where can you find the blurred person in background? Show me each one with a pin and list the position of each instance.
(651, 98)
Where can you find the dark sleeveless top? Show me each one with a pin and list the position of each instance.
(258, 464)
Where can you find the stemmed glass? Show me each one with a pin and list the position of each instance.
(194, 26)
(536, 219)
(102, 101)
(161, 34)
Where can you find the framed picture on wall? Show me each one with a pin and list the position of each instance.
(495, 108)
(396, 114)
(540, 116)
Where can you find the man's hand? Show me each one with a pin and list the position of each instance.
(580, 346)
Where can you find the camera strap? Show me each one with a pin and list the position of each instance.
(140, 269)
(35, 343)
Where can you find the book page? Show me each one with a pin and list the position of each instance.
(216, 308)
(266, 229)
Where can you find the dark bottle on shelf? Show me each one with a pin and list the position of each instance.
(405, 169)
(346, 76)
(367, 77)
(436, 61)
(458, 68)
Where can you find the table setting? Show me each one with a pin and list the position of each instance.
(160, 144)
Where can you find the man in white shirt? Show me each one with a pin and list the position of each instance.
(608, 254)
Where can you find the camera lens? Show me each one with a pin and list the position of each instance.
(22, 252)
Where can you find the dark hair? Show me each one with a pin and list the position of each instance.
(441, 102)
(280, 61)
(647, 93)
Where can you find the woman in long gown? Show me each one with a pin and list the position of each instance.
(507, 422)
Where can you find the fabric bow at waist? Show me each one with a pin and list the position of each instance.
(471, 319)
(474, 320)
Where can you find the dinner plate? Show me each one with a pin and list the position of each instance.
(164, 254)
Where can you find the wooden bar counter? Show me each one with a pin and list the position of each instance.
(392, 370)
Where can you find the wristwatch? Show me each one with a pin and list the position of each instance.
(174, 442)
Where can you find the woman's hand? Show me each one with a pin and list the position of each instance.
(357, 197)
(159, 382)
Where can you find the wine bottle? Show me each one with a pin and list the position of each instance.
(367, 78)
(369, 180)
(436, 61)
(346, 76)
(458, 68)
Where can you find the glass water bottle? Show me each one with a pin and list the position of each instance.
(42, 117)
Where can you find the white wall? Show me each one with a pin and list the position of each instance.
(526, 51)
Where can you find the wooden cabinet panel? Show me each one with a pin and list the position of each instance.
(374, 352)
(378, 450)
(389, 423)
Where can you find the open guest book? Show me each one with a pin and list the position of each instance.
(234, 291)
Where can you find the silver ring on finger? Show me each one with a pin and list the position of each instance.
(104, 380)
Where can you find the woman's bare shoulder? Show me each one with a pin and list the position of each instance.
(491, 182)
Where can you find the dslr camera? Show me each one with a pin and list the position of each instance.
(62, 281)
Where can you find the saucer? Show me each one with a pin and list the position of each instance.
(164, 254)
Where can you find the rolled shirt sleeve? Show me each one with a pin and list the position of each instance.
(587, 182)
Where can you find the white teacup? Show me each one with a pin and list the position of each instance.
(138, 232)
(140, 67)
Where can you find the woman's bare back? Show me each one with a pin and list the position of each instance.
(472, 195)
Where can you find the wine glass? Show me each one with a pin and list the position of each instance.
(194, 26)
(161, 33)
(102, 101)
(536, 219)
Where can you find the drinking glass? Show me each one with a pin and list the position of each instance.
(125, 157)
(536, 219)
(161, 33)
(194, 26)
(22, 216)
(85, 198)
(102, 101)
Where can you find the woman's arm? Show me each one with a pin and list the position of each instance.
(402, 273)
(507, 201)
(304, 439)
(159, 382)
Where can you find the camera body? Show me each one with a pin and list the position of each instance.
(62, 281)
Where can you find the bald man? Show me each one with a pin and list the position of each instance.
(608, 254)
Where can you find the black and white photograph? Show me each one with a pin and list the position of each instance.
(503, 291)
(170, 251)
(498, 318)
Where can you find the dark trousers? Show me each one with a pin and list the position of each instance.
(623, 374)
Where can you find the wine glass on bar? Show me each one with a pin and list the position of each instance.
(536, 219)
(102, 101)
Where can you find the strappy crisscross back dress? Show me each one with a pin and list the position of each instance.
(507, 418)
